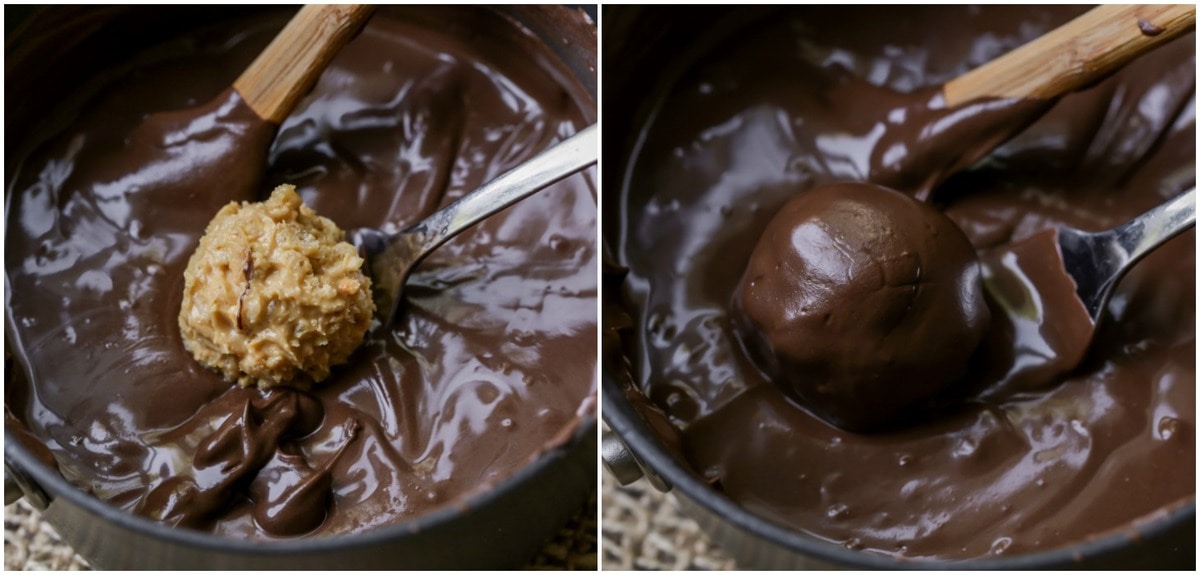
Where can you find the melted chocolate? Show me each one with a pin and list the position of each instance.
(1042, 329)
(1149, 29)
(1008, 464)
(491, 363)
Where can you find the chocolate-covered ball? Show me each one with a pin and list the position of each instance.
(860, 302)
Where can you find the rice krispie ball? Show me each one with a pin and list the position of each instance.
(274, 295)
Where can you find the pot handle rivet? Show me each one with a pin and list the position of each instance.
(623, 465)
(12, 491)
(18, 485)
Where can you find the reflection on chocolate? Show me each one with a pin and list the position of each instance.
(813, 96)
(861, 301)
(1041, 329)
(492, 363)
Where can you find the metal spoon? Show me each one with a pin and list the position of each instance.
(390, 258)
(1098, 260)
(1053, 314)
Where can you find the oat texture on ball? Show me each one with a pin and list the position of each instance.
(274, 295)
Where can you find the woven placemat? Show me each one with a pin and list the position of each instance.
(31, 544)
(642, 528)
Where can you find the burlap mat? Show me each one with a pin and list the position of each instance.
(32, 544)
(643, 529)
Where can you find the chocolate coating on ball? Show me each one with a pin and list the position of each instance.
(861, 302)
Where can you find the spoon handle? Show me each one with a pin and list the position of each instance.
(289, 66)
(1142, 234)
(549, 166)
(1075, 54)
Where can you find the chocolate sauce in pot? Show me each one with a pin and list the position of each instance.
(491, 363)
(1002, 463)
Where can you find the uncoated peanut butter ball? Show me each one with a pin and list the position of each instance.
(274, 295)
(860, 301)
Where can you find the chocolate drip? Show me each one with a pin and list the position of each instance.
(291, 497)
(1149, 29)
(238, 433)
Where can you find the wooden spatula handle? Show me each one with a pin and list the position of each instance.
(287, 69)
(1074, 54)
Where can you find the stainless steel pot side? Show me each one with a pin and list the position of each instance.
(500, 526)
(648, 47)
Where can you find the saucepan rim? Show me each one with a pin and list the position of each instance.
(55, 485)
(633, 431)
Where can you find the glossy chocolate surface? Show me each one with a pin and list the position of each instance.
(491, 363)
(1011, 461)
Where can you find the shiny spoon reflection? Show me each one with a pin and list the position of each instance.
(391, 258)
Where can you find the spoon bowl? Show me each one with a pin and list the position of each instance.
(1098, 260)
